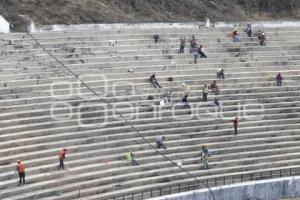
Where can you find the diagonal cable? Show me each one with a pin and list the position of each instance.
(129, 123)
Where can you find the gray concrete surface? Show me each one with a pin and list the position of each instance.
(274, 189)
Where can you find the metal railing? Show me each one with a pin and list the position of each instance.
(213, 182)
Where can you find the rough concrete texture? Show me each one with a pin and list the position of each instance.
(263, 190)
(122, 26)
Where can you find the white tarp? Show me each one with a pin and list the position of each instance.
(4, 25)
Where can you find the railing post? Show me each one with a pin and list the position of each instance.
(224, 180)
(251, 176)
(188, 186)
(159, 191)
(215, 181)
(241, 177)
(170, 189)
(271, 173)
(179, 187)
(280, 173)
(151, 193)
(132, 195)
(142, 195)
(290, 171)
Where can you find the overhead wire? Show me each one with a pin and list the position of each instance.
(129, 123)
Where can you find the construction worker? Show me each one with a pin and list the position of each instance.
(220, 73)
(204, 157)
(61, 157)
(131, 158)
(182, 44)
(235, 123)
(21, 170)
(279, 79)
(204, 92)
(261, 38)
(154, 81)
(160, 142)
(235, 36)
(214, 87)
(201, 52)
(249, 30)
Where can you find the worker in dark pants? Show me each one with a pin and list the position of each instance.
(279, 79)
(160, 142)
(235, 123)
(21, 170)
(201, 53)
(154, 81)
(130, 157)
(61, 157)
(204, 92)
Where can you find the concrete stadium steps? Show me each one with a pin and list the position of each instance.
(29, 133)
(148, 41)
(86, 51)
(125, 81)
(165, 55)
(131, 34)
(169, 55)
(60, 86)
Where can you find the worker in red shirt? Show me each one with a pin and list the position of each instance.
(235, 125)
(21, 170)
(61, 157)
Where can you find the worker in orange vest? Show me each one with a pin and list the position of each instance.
(21, 170)
(61, 157)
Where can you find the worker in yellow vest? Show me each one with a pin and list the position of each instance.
(204, 92)
(131, 158)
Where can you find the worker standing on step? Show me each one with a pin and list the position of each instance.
(61, 157)
(204, 92)
(131, 158)
(185, 101)
(195, 54)
(21, 170)
(160, 142)
(248, 30)
(193, 43)
(279, 79)
(154, 81)
(182, 44)
(235, 123)
(156, 38)
(204, 157)
(261, 38)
